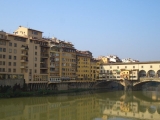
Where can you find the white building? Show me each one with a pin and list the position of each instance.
(127, 60)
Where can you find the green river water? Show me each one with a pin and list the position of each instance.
(99, 105)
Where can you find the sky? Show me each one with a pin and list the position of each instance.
(126, 28)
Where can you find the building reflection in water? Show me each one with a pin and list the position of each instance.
(80, 106)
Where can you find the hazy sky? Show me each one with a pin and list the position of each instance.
(126, 28)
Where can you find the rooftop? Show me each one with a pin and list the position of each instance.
(128, 63)
(31, 29)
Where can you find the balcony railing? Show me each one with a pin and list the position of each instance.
(44, 55)
(52, 66)
(24, 54)
(43, 72)
(23, 67)
(24, 60)
(24, 47)
(44, 66)
(44, 45)
(54, 70)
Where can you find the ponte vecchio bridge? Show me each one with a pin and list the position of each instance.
(130, 74)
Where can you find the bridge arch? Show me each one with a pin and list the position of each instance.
(108, 83)
(152, 109)
(143, 109)
(158, 73)
(151, 73)
(142, 73)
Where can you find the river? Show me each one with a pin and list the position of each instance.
(99, 105)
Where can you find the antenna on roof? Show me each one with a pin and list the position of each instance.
(27, 25)
(49, 35)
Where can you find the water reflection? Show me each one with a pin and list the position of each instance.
(82, 106)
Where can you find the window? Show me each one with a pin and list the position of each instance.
(110, 67)
(15, 51)
(10, 44)
(15, 57)
(35, 32)
(35, 47)
(0, 55)
(0, 49)
(125, 66)
(57, 54)
(15, 44)
(9, 69)
(35, 53)
(133, 66)
(4, 49)
(14, 64)
(4, 56)
(10, 50)
(141, 66)
(35, 71)
(151, 66)
(3, 62)
(35, 59)
(9, 63)
(14, 70)
(2, 42)
(3, 69)
(10, 57)
(117, 67)
(0, 62)
(35, 65)
(1, 36)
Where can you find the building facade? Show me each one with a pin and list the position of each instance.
(130, 71)
(86, 67)
(27, 57)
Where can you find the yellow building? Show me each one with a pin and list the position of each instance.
(38, 57)
(87, 67)
(94, 69)
(25, 56)
(62, 61)
(10, 58)
(83, 65)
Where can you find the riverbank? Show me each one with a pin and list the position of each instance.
(17, 93)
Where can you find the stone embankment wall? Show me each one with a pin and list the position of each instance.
(11, 82)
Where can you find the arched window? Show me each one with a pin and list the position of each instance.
(158, 73)
(151, 73)
(142, 73)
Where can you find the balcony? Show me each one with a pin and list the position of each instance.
(43, 72)
(44, 45)
(43, 66)
(42, 61)
(54, 71)
(24, 47)
(52, 66)
(24, 54)
(24, 60)
(44, 55)
(23, 67)
(52, 55)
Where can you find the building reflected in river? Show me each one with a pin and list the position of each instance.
(81, 106)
